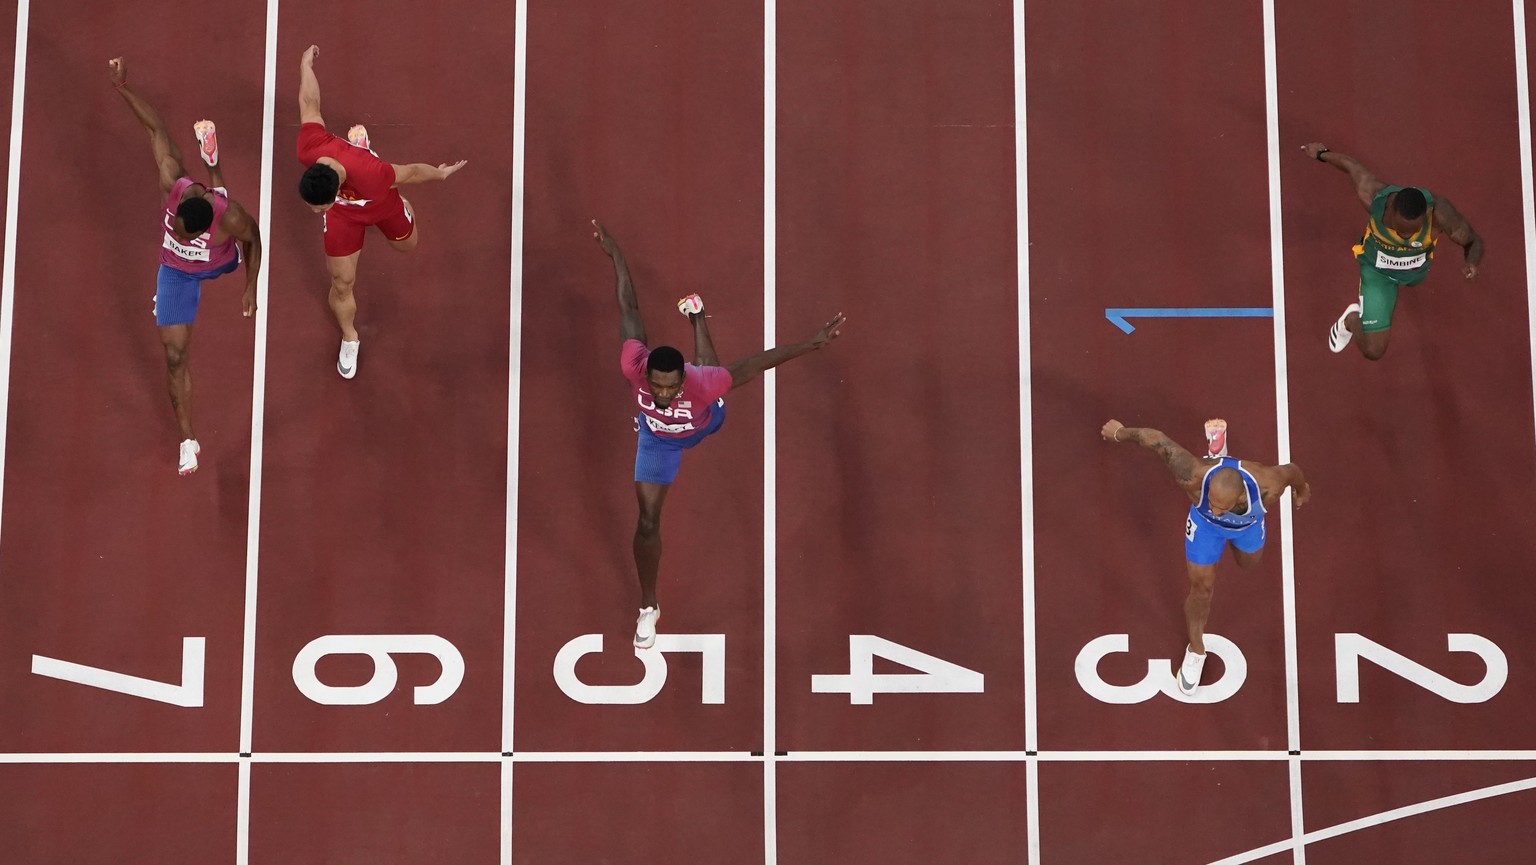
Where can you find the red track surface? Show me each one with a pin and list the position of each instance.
(895, 461)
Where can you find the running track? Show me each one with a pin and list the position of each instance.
(935, 479)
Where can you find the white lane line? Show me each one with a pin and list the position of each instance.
(12, 201)
(770, 431)
(1384, 817)
(1527, 184)
(514, 413)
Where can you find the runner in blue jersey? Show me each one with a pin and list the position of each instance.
(1229, 499)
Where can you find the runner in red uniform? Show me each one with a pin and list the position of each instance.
(353, 188)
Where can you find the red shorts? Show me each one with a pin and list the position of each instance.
(346, 223)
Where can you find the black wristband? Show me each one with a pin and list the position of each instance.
(1320, 154)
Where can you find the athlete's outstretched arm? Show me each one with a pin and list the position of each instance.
(748, 368)
(1366, 184)
(1185, 468)
(630, 326)
(167, 157)
(309, 88)
(239, 225)
(1455, 226)
(420, 172)
(703, 346)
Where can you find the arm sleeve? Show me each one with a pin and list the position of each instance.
(714, 381)
(632, 359)
(311, 137)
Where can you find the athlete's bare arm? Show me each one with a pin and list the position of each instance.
(309, 88)
(239, 225)
(1452, 224)
(1275, 480)
(1365, 183)
(1186, 469)
(630, 325)
(752, 366)
(420, 172)
(703, 346)
(167, 157)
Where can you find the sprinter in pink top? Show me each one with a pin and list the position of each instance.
(679, 405)
(204, 235)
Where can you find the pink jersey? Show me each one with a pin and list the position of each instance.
(690, 409)
(199, 256)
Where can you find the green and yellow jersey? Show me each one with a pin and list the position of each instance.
(1403, 260)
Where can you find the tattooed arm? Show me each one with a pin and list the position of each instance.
(1185, 468)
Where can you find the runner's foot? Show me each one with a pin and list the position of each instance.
(346, 362)
(1189, 672)
(1339, 335)
(645, 627)
(207, 142)
(1216, 438)
(357, 136)
(188, 460)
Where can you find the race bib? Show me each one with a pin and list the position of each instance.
(189, 253)
(1391, 262)
(658, 426)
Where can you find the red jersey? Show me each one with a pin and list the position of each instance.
(370, 180)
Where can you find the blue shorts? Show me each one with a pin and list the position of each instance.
(1204, 541)
(657, 459)
(177, 293)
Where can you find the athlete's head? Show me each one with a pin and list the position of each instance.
(193, 217)
(318, 187)
(664, 374)
(1226, 491)
(1408, 206)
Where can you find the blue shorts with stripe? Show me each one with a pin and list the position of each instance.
(657, 459)
(177, 293)
(1204, 541)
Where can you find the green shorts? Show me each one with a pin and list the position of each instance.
(1378, 297)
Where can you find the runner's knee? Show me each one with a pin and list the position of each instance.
(1373, 352)
(1249, 560)
(408, 243)
(175, 356)
(1201, 581)
(649, 524)
(341, 284)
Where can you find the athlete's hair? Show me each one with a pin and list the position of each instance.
(319, 184)
(1410, 203)
(1227, 480)
(196, 215)
(665, 359)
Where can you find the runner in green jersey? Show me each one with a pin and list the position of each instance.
(1397, 249)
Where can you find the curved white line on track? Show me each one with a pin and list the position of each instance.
(1384, 817)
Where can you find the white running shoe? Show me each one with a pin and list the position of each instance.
(1216, 438)
(1339, 335)
(1189, 672)
(346, 362)
(357, 136)
(207, 142)
(645, 627)
(188, 461)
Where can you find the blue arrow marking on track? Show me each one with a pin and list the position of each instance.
(1117, 316)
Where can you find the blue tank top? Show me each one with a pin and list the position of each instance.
(1230, 520)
